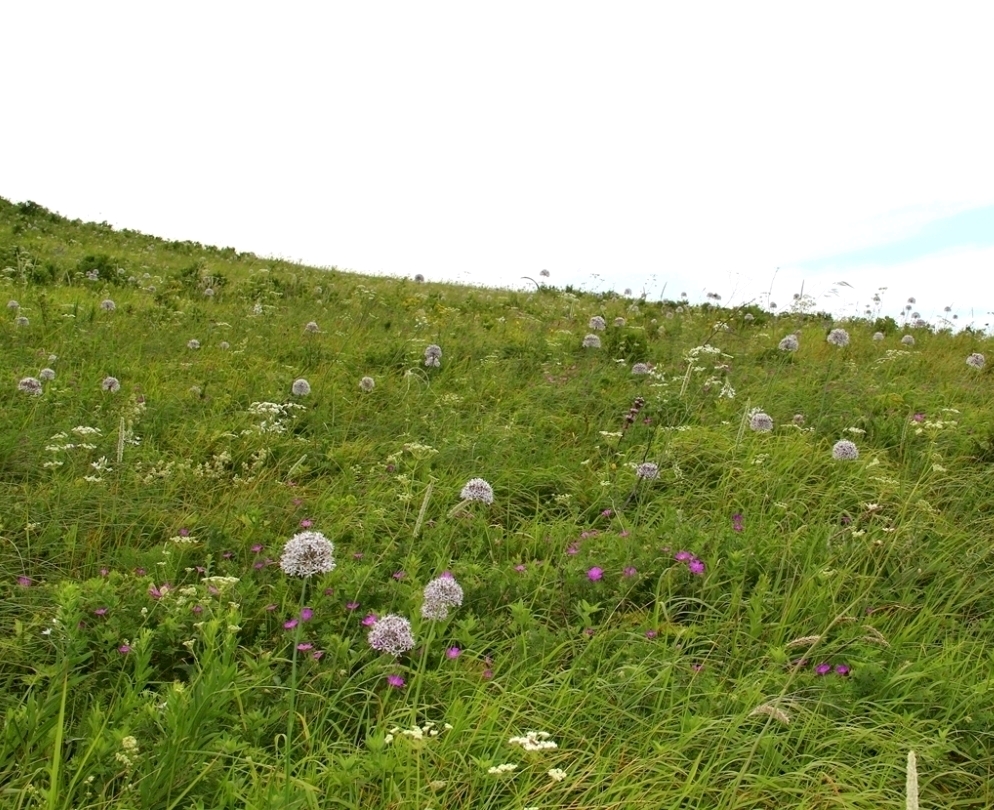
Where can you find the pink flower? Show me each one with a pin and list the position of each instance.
(607, 513)
(823, 669)
(306, 523)
(290, 624)
(520, 568)
(306, 614)
(270, 607)
(104, 572)
(595, 573)
(696, 566)
(305, 647)
(395, 681)
(100, 611)
(124, 649)
(316, 655)
(351, 605)
(573, 549)
(369, 620)
(257, 547)
(453, 652)
(651, 634)
(488, 674)
(629, 571)
(24, 582)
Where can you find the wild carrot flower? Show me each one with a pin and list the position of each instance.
(597, 323)
(789, 344)
(591, 342)
(300, 388)
(111, 384)
(976, 360)
(306, 554)
(647, 470)
(845, 450)
(838, 337)
(30, 385)
(439, 595)
(367, 384)
(392, 634)
(477, 489)
(761, 422)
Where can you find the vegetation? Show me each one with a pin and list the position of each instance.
(670, 602)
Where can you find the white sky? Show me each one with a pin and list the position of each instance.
(623, 144)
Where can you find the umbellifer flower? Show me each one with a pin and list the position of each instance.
(306, 554)
(845, 450)
(838, 337)
(439, 595)
(392, 634)
(477, 489)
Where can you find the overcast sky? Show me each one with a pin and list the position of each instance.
(700, 146)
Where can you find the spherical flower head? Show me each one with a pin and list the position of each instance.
(193, 343)
(976, 360)
(47, 374)
(761, 422)
(908, 340)
(647, 470)
(12, 304)
(544, 273)
(798, 419)
(306, 554)
(789, 344)
(311, 327)
(439, 595)
(419, 278)
(596, 573)
(20, 320)
(619, 322)
(392, 635)
(367, 384)
(597, 323)
(838, 337)
(878, 335)
(396, 681)
(640, 368)
(111, 384)
(107, 305)
(845, 450)
(591, 342)
(30, 385)
(477, 489)
(300, 388)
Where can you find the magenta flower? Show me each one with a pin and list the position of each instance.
(124, 649)
(607, 513)
(696, 566)
(395, 681)
(24, 582)
(399, 575)
(100, 611)
(651, 634)
(737, 522)
(289, 625)
(842, 669)
(573, 549)
(257, 547)
(623, 533)
(697, 667)
(488, 674)
(351, 605)
(357, 555)
(104, 572)
(520, 568)
(595, 573)
(184, 532)
(306, 614)
(306, 523)
(369, 620)
(683, 556)
(453, 652)
(270, 607)
(197, 609)
(823, 669)
(629, 571)
(316, 655)
(305, 647)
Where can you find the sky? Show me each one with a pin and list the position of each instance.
(755, 150)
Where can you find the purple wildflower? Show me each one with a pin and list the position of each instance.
(595, 573)
(395, 681)
(823, 669)
(453, 652)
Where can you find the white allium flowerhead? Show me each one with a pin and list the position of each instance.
(433, 356)
(789, 344)
(838, 337)
(47, 374)
(477, 489)
(107, 305)
(597, 323)
(30, 385)
(591, 342)
(111, 384)
(619, 322)
(300, 388)
(419, 278)
(306, 554)
(908, 340)
(640, 368)
(193, 343)
(367, 384)
(20, 320)
(391, 634)
(761, 422)
(209, 292)
(845, 450)
(648, 470)
(224, 345)
(878, 335)
(976, 360)
(439, 595)
(12, 304)
(311, 326)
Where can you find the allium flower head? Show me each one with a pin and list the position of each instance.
(845, 450)
(878, 335)
(619, 322)
(392, 634)
(306, 554)
(838, 337)
(419, 278)
(20, 320)
(591, 342)
(30, 385)
(477, 489)
(107, 305)
(12, 304)
(367, 384)
(789, 344)
(111, 384)
(640, 368)
(193, 343)
(433, 356)
(798, 419)
(311, 326)
(300, 388)
(761, 422)
(647, 470)
(597, 323)
(908, 340)
(47, 374)
(439, 595)
(976, 360)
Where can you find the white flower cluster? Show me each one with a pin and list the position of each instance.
(535, 741)
(274, 416)
(497, 770)
(417, 733)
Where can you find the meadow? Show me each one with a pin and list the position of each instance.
(274, 536)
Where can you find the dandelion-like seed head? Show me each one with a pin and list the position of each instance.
(838, 337)
(591, 342)
(640, 368)
(107, 305)
(597, 323)
(647, 470)
(976, 360)
(111, 384)
(367, 384)
(789, 344)
(439, 595)
(845, 450)
(300, 388)
(761, 422)
(30, 385)
(391, 634)
(477, 489)
(878, 335)
(306, 554)
(908, 340)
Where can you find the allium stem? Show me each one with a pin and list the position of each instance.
(293, 694)
(120, 441)
(424, 508)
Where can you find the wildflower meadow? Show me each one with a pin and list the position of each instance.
(274, 536)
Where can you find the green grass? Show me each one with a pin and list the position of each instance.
(661, 687)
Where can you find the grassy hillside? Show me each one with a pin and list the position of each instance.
(698, 608)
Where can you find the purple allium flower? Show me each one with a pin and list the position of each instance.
(789, 344)
(12, 304)
(838, 337)
(595, 573)
(395, 681)
(367, 384)
(46, 374)
(306, 614)
(591, 342)
(761, 422)
(193, 343)
(878, 335)
(647, 471)
(392, 634)
(30, 385)
(369, 619)
(300, 387)
(111, 384)
(439, 595)
(976, 360)
(311, 326)
(597, 323)
(433, 356)
(453, 652)
(823, 669)
(306, 554)
(798, 419)
(908, 340)
(477, 489)
(845, 450)
(20, 320)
